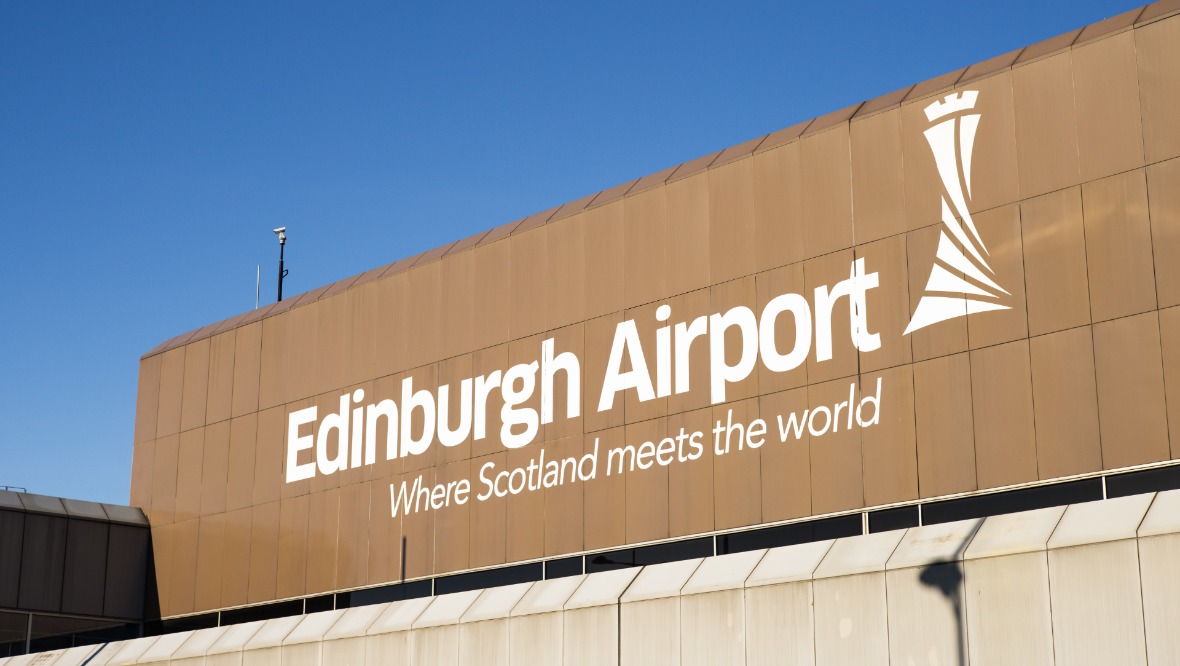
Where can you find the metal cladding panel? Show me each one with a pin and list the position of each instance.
(964, 285)
(712, 628)
(779, 625)
(933, 596)
(1097, 604)
(1161, 585)
(652, 632)
(1008, 609)
(535, 639)
(851, 624)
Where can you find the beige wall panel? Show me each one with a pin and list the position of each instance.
(1097, 604)
(946, 438)
(291, 571)
(603, 259)
(1161, 587)
(393, 648)
(1065, 402)
(393, 325)
(1046, 128)
(945, 337)
(210, 544)
(635, 410)
(147, 398)
(1163, 186)
(687, 247)
(994, 179)
(934, 629)
(1008, 617)
(686, 308)
(302, 346)
(240, 480)
(850, 621)
(829, 270)
(1118, 246)
(591, 636)
(535, 640)
(418, 531)
(690, 483)
(269, 451)
(171, 388)
(489, 519)
(650, 632)
(385, 536)
(196, 385)
(526, 514)
(436, 646)
(1158, 59)
(484, 643)
(606, 498)
(779, 625)
(361, 360)
(530, 274)
(889, 448)
(569, 339)
(424, 326)
(451, 373)
(184, 566)
(888, 304)
(737, 476)
(261, 357)
(724, 297)
(188, 474)
(647, 489)
(483, 363)
(301, 654)
(827, 191)
(712, 628)
(923, 187)
(458, 303)
(219, 396)
(1106, 96)
(877, 190)
(1000, 230)
(768, 286)
(352, 546)
(778, 208)
(565, 283)
(1002, 398)
(836, 468)
(564, 506)
(332, 339)
(644, 247)
(264, 533)
(1170, 346)
(493, 281)
(731, 220)
(785, 466)
(236, 557)
(142, 464)
(163, 505)
(349, 651)
(162, 538)
(452, 524)
(262, 657)
(1055, 262)
(1132, 412)
(323, 529)
(600, 335)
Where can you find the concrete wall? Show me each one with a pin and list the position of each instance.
(1093, 583)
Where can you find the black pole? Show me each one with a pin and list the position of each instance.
(282, 273)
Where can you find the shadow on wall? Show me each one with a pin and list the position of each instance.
(947, 578)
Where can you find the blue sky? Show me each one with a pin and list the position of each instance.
(148, 148)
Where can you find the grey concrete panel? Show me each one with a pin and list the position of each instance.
(1094, 522)
(850, 622)
(1008, 617)
(712, 627)
(388, 648)
(930, 624)
(345, 651)
(779, 626)
(435, 646)
(1158, 558)
(1097, 605)
(1024, 532)
(484, 643)
(535, 639)
(650, 633)
(591, 636)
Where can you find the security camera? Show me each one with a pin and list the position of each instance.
(280, 230)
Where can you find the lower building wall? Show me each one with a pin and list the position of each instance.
(1091, 588)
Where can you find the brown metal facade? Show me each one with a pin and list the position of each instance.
(1077, 195)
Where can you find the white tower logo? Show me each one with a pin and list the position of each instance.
(971, 287)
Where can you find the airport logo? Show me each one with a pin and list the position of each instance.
(961, 281)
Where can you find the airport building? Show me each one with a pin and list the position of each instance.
(899, 384)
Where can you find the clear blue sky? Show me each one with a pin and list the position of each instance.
(148, 148)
